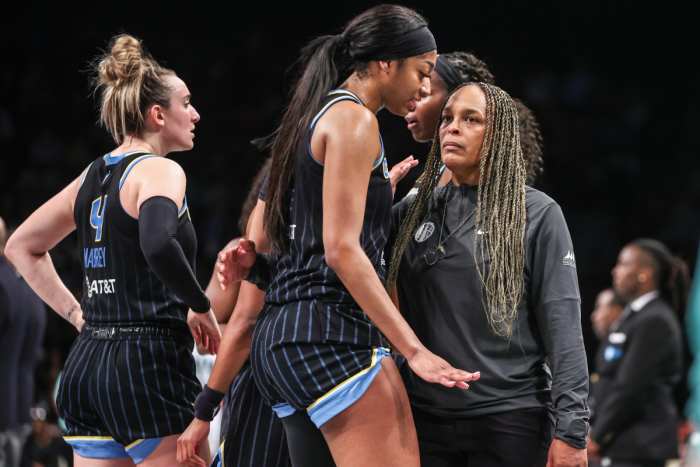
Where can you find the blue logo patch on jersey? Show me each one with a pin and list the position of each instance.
(612, 352)
(385, 167)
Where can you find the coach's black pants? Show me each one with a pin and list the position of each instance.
(307, 447)
(518, 438)
(641, 463)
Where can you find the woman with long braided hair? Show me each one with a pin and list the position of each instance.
(485, 274)
(451, 70)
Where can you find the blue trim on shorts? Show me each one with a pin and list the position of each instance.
(105, 447)
(96, 447)
(346, 393)
(141, 449)
(283, 409)
(218, 460)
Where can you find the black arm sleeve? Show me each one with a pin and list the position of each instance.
(158, 222)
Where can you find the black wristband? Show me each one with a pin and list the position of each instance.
(207, 403)
(202, 307)
(260, 273)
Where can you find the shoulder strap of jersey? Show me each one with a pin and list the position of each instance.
(131, 162)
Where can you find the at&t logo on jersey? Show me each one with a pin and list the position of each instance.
(99, 286)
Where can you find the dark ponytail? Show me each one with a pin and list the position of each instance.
(319, 75)
(325, 63)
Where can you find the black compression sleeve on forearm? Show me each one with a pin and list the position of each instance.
(158, 222)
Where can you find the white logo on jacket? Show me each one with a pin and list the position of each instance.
(424, 232)
(569, 259)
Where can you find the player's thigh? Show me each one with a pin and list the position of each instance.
(79, 461)
(377, 430)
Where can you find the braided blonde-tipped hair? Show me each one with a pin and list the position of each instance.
(500, 210)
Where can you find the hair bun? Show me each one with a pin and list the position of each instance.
(122, 63)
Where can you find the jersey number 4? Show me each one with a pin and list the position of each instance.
(97, 212)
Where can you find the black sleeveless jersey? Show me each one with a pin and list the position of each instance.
(118, 284)
(301, 272)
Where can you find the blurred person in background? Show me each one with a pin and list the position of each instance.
(608, 309)
(22, 325)
(692, 410)
(636, 416)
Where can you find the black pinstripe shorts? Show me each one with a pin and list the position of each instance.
(300, 360)
(128, 384)
(251, 434)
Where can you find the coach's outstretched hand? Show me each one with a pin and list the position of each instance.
(188, 442)
(205, 331)
(434, 369)
(234, 262)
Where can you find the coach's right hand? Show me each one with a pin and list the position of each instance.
(434, 369)
(205, 330)
(188, 442)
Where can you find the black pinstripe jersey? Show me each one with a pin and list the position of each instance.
(118, 284)
(301, 273)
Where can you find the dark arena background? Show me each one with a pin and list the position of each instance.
(614, 86)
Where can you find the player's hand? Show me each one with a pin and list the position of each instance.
(434, 369)
(75, 317)
(205, 330)
(188, 442)
(400, 170)
(234, 262)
